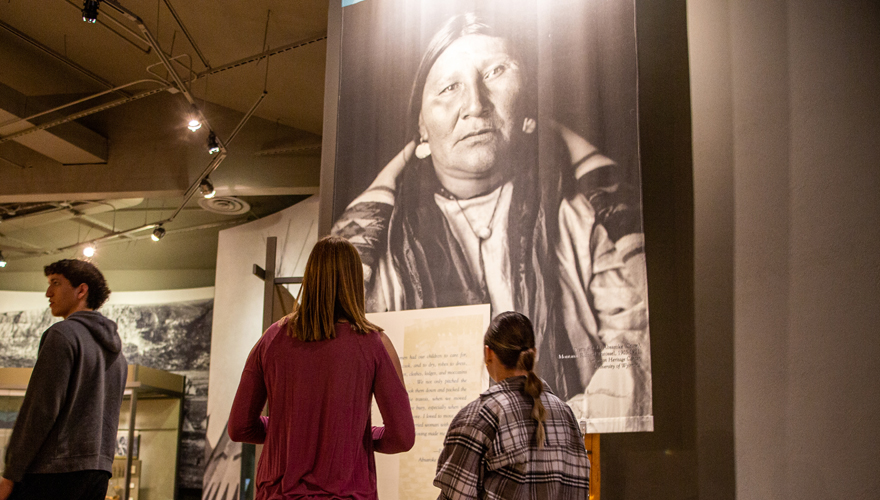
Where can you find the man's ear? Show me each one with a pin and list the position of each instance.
(82, 291)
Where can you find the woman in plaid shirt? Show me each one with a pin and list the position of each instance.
(517, 440)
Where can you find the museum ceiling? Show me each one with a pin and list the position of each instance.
(94, 138)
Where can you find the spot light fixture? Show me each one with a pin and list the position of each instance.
(213, 145)
(89, 250)
(194, 122)
(158, 233)
(206, 188)
(2, 260)
(90, 11)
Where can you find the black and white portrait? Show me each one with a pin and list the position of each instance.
(487, 152)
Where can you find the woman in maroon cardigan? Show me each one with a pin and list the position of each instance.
(318, 368)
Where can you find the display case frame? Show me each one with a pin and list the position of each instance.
(141, 383)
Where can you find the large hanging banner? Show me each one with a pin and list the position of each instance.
(488, 153)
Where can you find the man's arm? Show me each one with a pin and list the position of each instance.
(46, 394)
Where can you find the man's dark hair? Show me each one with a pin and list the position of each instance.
(78, 272)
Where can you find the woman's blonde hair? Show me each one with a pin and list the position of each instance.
(332, 290)
(512, 338)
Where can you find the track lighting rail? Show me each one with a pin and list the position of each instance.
(87, 112)
(189, 37)
(85, 99)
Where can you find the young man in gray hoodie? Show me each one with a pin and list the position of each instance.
(64, 439)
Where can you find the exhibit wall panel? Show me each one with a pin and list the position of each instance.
(440, 352)
(790, 149)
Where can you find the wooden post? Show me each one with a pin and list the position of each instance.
(591, 443)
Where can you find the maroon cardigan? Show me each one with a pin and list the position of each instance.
(318, 439)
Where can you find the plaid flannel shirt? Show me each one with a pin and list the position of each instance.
(490, 450)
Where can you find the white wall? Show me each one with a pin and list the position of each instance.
(786, 131)
(238, 296)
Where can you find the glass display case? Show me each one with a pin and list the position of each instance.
(149, 430)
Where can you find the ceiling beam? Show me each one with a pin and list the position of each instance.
(69, 143)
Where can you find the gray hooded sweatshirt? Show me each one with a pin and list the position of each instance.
(70, 414)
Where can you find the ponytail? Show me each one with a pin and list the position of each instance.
(534, 388)
(512, 338)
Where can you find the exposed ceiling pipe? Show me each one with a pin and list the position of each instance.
(87, 112)
(113, 104)
(165, 61)
(142, 40)
(195, 186)
(189, 37)
(288, 150)
(62, 211)
(246, 117)
(174, 59)
(12, 209)
(30, 247)
(106, 237)
(260, 56)
(84, 99)
(184, 89)
(115, 237)
(96, 224)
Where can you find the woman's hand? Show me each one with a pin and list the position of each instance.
(388, 176)
(5, 488)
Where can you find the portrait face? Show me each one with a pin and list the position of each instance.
(64, 299)
(469, 107)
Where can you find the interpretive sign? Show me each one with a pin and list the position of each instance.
(441, 353)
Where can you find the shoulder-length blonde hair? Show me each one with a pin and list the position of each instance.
(332, 290)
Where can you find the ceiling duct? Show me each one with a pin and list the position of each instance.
(71, 143)
(59, 212)
(225, 205)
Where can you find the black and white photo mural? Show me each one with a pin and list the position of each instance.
(488, 152)
(168, 330)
